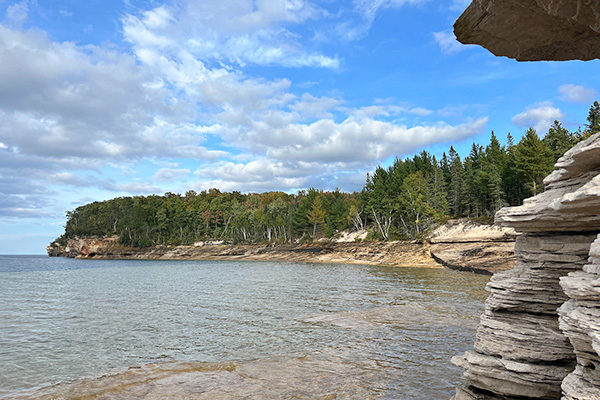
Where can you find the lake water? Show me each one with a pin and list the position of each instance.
(367, 331)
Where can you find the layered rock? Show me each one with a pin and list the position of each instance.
(465, 245)
(374, 253)
(580, 321)
(522, 350)
(532, 30)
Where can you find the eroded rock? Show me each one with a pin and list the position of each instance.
(533, 30)
(523, 348)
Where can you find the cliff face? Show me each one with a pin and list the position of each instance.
(467, 246)
(532, 30)
(460, 244)
(540, 334)
(376, 253)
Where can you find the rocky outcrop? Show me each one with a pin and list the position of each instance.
(459, 244)
(523, 349)
(532, 30)
(375, 253)
(469, 246)
(580, 322)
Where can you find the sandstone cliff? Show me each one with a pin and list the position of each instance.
(531, 30)
(525, 348)
(468, 246)
(459, 244)
(376, 253)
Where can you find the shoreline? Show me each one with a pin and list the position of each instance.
(483, 257)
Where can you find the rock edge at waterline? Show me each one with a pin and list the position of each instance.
(460, 244)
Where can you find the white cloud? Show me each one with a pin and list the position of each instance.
(169, 174)
(137, 188)
(367, 140)
(182, 94)
(18, 13)
(540, 116)
(370, 8)
(68, 178)
(230, 31)
(447, 42)
(310, 106)
(423, 112)
(577, 94)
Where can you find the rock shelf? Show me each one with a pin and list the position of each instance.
(539, 337)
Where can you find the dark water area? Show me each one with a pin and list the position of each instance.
(368, 331)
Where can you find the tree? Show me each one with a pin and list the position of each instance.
(416, 215)
(456, 183)
(559, 140)
(316, 215)
(533, 159)
(593, 125)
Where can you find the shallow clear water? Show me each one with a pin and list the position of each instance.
(392, 331)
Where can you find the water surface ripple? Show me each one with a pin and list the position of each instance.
(247, 329)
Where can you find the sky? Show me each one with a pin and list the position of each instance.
(108, 98)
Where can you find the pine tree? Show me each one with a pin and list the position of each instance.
(559, 140)
(533, 159)
(593, 125)
(456, 182)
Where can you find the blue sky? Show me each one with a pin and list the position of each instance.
(101, 99)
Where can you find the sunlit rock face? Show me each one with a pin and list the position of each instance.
(533, 30)
(539, 337)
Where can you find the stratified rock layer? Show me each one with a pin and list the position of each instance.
(533, 30)
(523, 348)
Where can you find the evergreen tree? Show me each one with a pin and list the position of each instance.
(533, 159)
(559, 140)
(512, 184)
(593, 119)
(456, 182)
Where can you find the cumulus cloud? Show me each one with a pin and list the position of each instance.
(137, 188)
(68, 178)
(232, 31)
(17, 14)
(421, 111)
(539, 116)
(325, 153)
(577, 93)
(447, 42)
(169, 174)
(367, 140)
(73, 115)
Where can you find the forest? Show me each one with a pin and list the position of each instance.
(400, 202)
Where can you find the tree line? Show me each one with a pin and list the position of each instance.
(402, 201)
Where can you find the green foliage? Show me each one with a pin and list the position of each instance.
(559, 140)
(593, 119)
(402, 201)
(316, 214)
(533, 160)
